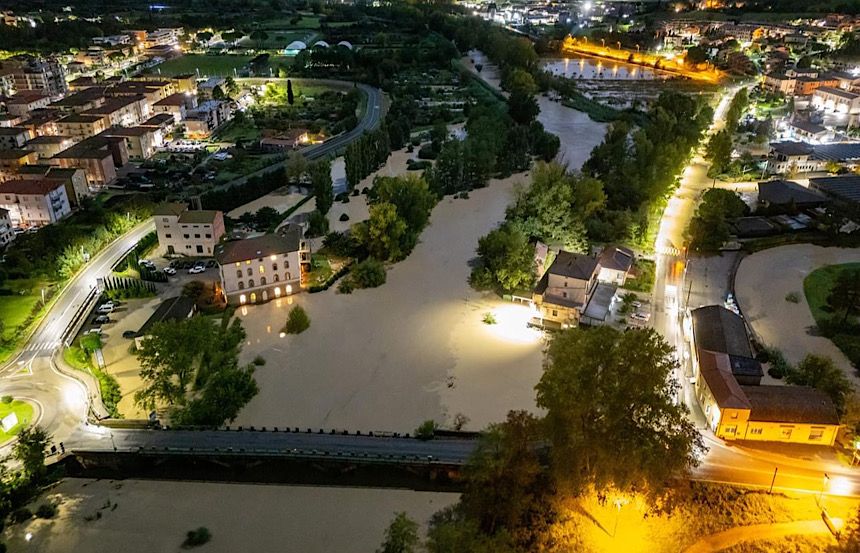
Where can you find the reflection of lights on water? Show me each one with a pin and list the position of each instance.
(244, 310)
(282, 334)
(512, 324)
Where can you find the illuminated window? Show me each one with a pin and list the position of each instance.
(277, 291)
(247, 262)
(756, 431)
(816, 434)
(243, 299)
(262, 269)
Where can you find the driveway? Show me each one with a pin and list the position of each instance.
(762, 282)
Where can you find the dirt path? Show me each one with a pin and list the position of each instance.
(758, 532)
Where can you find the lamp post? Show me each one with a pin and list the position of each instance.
(823, 486)
(618, 504)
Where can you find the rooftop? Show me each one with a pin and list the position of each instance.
(205, 216)
(171, 309)
(840, 151)
(790, 148)
(845, 187)
(836, 92)
(718, 330)
(616, 257)
(13, 131)
(783, 192)
(15, 153)
(81, 118)
(169, 208)
(808, 127)
(573, 265)
(178, 99)
(261, 246)
(716, 369)
(790, 404)
(33, 187)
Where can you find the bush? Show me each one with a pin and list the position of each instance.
(20, 515)
(297, 321)
(364, 191)
(195, 538)
(370, 273)
(46, 510)
(317, 224)
(355, 192)
(343, 217)
(792, 297)
(413, 165)
(6, 399)
(259, 361)
(427, 152)
(427, 430)
(489, 318)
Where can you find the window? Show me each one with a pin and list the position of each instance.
(274, 267)
(286, 264)
(785, 432)
(262, 281)
(167, 236)
(262, 269)
(199, 248)
(250, 272)
(241, 285)
(239, 273)
(277, 277)
(816, 434)
(196, 236)
(756, 431)
(564, 294)
(555, 312)
(208, 236)
(187, 236)
(250, 283)
(163, 219)
(286, 276)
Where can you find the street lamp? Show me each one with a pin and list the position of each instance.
(823, 486)
(618, 504)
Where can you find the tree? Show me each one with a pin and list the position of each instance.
(709, 228)
(844, 296)
(719, 152)
(317, 224)
(369, 273)
(260, 36)
(321, 184)
(384, 233)
(231, 86)
(822, 374)
(217, 93)
(506, 260)
(849, 538)
(296, 167)
(401, 536)
(410, 195)
(29, 450)
(523, 108)
(91, 342)
(290, 97)
(297, 321)
(696, 55)
(611, 415)
(227, 391)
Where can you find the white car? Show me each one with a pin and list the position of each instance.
(639, 316)
(169, 271)
(106, 307)
(196, 270)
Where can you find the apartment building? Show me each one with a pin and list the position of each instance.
(99, 157)
(44, 75)
(140, 142)
(123, 111)
(259, 269)
(7, 233)
(12, 160)
(42, 122)
(565, 289)
(176, 105)
(34, 202)
(200, 123)
(13, 138)
(184, 232)
(25, 102)
(836, 100)
(73, 178)
(808, 85)
(81, 126)
(81, 100)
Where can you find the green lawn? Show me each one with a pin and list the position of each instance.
(15, 308)
(817, 287)
(320, 270)
(23, 410)
(306, 22)
(208, 65)
(238, 130)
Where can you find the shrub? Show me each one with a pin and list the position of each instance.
(364, 191)
(195, 538)
(317, 224)
(6, 399)
(489, 318)
(370, 273)
(20, 515)
(343, 217)
(426, 430)
(46, 510)
(792, 297)
(355, 192)
(259, 361)
(427, 152)
(297, 321)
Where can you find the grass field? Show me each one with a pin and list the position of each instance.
(208, 65)
(817, 287)
(24, 412)
(306, 22)
(281, 38)
(15, 308)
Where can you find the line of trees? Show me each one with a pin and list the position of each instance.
(719, 148)
(709, 228)
(366, 155)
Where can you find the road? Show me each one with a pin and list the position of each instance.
(63, 401)
(681, 282)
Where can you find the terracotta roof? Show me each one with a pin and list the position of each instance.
(177, 99)
(715, 369)
(35, 187)
(790, 404)
(254, 248)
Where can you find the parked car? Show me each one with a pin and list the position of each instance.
(101, 319)
(129, 334)
(195, 270)
(169, 271)
(93, 331)
(639, 316)
(106, 307)
(636, 304)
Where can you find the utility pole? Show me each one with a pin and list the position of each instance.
(775, 469)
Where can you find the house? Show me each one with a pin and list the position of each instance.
(789, 194)
(140, 142)
(288, 140)
(49, 146)
(14, 138)
(82, 126)
(780, 83)
(83, 100)
(176, 105)
(615, 264)
(7, 234)
(44, 75)
(27, 101)
(206, 118)
(34, 202)
(184, 232)
(12, 160)
(98, 156)
(74, 179)
(810, 85)
(736, 407)
(844, 188)
(42, 122)
(835, 100)
(204, 89)
(564, 290)
(786, 157)
(177, 308)
(259, 269)
(805, 131)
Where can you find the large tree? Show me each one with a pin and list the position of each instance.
(296, 167)
(506, 260)
(401, 536)
(410, 195)
(821, 373)
(29, 450)
(611, 413)
(320, 172)
(709, 227)
(844, 296)
(384, 234)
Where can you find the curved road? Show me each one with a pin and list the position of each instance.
(64, 401)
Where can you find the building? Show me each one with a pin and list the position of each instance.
(74, 179)
(201, 122)
(42, 122)
(123, 111)
(25, 102)
(12, 160)
(808, 132)
(288, 140)
(844, 188)
(564, 290)
(791, 157)
(835, 100)
(204, 89)
(615, 264)
(140, 142)
(184, 232)
(7, 233)
(809, 85)
(176, 105)
(49, 146)
(98, 156)
(37, 74)
(34, 202)
(727, 386)
(780, 83)
(82, 126)
(259, 269)
(789, 195)
(177, 308)
(14, 138)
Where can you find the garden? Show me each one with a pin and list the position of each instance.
(833, 294)
(22, 410)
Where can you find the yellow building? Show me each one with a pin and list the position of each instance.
(735, 405)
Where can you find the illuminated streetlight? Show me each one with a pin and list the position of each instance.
(823, 486)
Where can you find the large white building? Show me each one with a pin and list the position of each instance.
(34, 202)
(259, 269)
(6, 232)
(184, 232)
(836, 100)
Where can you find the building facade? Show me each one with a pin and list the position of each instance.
(184, 232)
(6, 232)
(34, 203)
